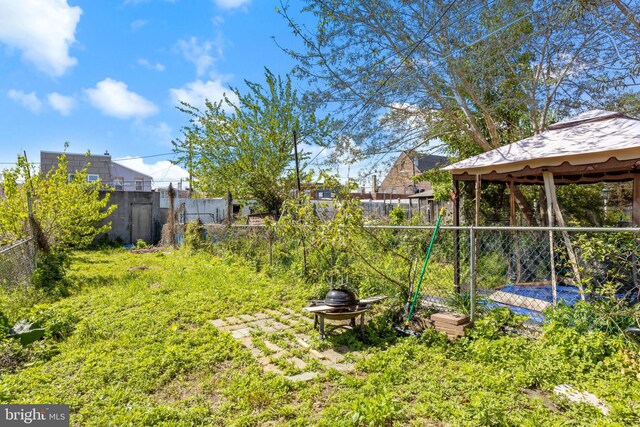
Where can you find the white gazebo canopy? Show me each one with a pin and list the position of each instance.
(594, 146)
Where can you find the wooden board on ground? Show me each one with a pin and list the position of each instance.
(519, 301)
(450, 318)
(453, 329)
(372, 300)
(544, 283)
(319, 308)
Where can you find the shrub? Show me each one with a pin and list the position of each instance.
(605, 315)
(141, 244)
(4, 325)
(194, 235)
(497, 324)
(50, 273)
(397, 215)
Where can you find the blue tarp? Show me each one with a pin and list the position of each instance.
(568, 295)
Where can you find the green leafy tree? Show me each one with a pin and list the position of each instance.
(68, 213)
(243, 144)
(329, 230)
(470, 76)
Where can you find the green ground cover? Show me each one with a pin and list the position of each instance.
(133, 345)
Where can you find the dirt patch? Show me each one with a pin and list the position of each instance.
(188, 386)
(149, 250)
(138, 268)
(544, 397)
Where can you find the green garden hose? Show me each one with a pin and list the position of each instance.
(424, 266)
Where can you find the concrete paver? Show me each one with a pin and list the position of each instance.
(232, 320)
(271, 346)
(305, 376)
(333, 355)
(218, 323)
(243, 326)
(298, 363)
(241, 333)
(247, 317)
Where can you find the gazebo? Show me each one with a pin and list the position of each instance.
(595, 146)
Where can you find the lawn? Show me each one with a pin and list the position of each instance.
(133, 344)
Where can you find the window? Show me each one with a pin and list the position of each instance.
(92, 177)
(70, 177)
(118, 183)
(139, 184)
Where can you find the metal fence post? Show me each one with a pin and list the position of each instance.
(472, 273)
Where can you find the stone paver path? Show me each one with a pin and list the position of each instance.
(280, 342)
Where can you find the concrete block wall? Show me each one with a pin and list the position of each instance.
(99, 164)
(208, 210)
(121, 218)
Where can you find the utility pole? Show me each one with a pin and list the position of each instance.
(190, 163)
(171, 222)
(295, 151)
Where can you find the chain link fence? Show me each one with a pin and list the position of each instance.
(17, 263)
(472, 269)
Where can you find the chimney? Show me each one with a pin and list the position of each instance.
(375, 184)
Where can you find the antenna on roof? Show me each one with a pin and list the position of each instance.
(106, 153)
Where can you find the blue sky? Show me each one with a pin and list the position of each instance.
(106, 75)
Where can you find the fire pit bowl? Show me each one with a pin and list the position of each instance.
(340, 304)
(340, 298)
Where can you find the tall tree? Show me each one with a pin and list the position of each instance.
(473, 75)
(243, 144)
(68, 213)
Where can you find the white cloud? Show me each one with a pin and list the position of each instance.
(138, 24)
(217, 20)
(43, 30)
(162, 171)
(195, 93)
(161, 132)
(150, 65)
(28, 100)
(62, 104)
(231, 4)
(198, 53)
(114, 99)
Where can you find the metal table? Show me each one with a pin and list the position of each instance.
(349, 312)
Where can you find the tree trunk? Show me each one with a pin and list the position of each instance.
(229, 218)
(525, 207)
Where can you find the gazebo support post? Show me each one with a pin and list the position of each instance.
(456, 236)
(636, 222)
(512, 223)
(565, 236)
(473, 262)
(478, 194)
(636, 201)
(548, 183)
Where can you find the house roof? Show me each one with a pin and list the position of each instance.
(74, 154)
(597, 141)
(115, 166)
(429, 161)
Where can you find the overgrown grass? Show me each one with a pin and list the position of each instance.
(132, 345)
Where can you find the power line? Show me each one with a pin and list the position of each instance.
(441, 60)
(143, 157)
(386, 80)
(121, 159)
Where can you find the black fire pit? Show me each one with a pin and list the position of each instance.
(340, 298)
(340, 304)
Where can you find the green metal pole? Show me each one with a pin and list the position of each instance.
(424, 266)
